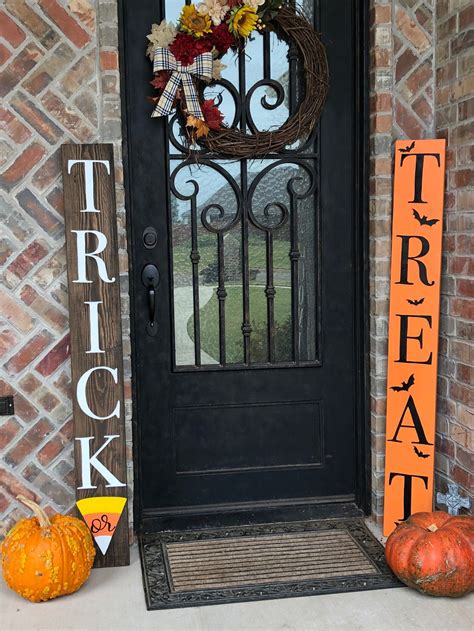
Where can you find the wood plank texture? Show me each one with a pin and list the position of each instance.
(102, 393)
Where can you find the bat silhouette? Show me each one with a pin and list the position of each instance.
(406, 385)
(423, 220)
(415, 302)
(420, 454)
(408, 148)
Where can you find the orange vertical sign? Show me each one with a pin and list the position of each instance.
(417, 227)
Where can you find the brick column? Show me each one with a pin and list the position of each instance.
(421, 86)
(402, 76)
(455, 122)
(380, 187)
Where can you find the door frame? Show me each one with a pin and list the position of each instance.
(360, 262)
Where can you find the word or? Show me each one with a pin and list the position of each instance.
(101, 523)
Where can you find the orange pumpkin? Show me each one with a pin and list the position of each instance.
(47, 557)
(434, 553)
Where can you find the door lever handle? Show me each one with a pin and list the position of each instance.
(151, 305)
(151, 279)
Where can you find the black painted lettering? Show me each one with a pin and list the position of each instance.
(404, 337)
(405, 257)
(419, 165)
(416, 424)
(407, 490)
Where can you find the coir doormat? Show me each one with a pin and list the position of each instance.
(243, 563)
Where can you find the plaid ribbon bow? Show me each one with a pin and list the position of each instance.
(201, 68)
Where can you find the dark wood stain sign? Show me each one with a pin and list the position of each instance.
(96, 347)
(417, 229)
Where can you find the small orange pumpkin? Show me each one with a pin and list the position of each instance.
(434, 553)
(47, 557)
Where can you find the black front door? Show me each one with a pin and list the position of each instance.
(248, 393)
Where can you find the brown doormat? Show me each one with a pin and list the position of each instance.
(204, 567)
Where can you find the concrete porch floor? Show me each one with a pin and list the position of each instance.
(113, 599)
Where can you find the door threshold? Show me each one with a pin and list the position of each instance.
(157, 520)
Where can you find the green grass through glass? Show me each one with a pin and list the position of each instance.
(233, 311)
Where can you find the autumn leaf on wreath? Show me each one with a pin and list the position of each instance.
(200, 126)
(212, 114)
(217, 68)
(161, 79)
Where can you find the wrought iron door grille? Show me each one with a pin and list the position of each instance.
(245, 233)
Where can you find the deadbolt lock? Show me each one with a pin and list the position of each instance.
(150, 237)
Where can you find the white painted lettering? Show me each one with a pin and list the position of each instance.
(82, 398)
(82, 254)
(88, 461)
(89, 180)
(94, 326)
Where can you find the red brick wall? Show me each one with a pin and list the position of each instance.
(422, 85)
(59, 82)
(454, 118)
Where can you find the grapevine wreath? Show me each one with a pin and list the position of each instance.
(187, 58)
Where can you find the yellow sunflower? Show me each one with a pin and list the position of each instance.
(243, 21)
(194, 22)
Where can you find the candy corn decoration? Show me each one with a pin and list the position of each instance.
(102, 515)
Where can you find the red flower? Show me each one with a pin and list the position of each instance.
(212, 114)
(222, 38)
(161, 79)
(185, 48)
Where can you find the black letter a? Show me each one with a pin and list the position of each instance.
(417, 426)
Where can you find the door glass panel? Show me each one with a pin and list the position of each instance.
(244, 233)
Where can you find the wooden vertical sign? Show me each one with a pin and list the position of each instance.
(96, 347)
(417, 227)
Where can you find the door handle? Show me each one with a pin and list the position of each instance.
(151, 305)
(151, 279)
